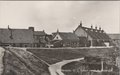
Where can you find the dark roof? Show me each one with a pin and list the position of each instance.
(95, 33)
(16, 36)
(114, 36)
(53, 34)
(49, 37)
(68, 36)
(39, 33)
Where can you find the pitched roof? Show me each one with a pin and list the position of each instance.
(48, 37)
(16, 36)
(114, 36)
(95, 33)
(39, 33)
(68, 36)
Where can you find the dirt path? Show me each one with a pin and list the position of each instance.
(1, 59)
(56, 68)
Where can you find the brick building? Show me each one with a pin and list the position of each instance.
(16, 37)
(94, 37)
(22, 37)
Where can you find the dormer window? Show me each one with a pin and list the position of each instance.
(57, 37)
(86, 29)
(91, 29)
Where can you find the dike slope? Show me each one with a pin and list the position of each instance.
(21, 62)
(54, 55)
(2, 50)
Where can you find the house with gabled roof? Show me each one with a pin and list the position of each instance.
(115, 36)
(95, 37)
(115, 39)
(22, 37)
(16, 37)
(39, 37)
(65, 39)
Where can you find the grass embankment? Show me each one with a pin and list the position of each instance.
(20, 62)
(1, 59)
(54, 55)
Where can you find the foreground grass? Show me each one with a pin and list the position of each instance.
(54, 55)
(20, 62)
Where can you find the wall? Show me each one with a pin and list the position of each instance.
(57, 37)
(80, 32)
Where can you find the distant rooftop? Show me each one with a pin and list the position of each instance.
(68, 36)
(16, 36)
(39, 33)
(95, 33)
(114, 36)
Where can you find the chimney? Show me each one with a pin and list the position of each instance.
(31, 28)
(43, 30)
(102, 31)
(80, 24)
(91, 26)
(8, 27)
(96, 27)
(99, 28)
(57, 30)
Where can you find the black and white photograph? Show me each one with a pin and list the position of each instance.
(60, 37)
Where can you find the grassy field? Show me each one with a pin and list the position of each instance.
(32, 61)
(53, 55)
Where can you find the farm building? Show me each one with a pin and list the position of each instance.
(65, 39)
(115, 39)
(39, 38)
(22, 37)
(95, 37)
(16, 37)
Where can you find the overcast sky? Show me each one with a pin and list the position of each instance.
(64, 15)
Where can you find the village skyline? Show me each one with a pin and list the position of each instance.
(58, 30)
(60, 37)
(62, 15)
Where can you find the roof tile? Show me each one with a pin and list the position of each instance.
(18, 36)
(96, 34)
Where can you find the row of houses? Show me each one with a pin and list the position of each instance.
(22, 37)
(80, 37)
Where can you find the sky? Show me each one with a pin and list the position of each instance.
(62, 15)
